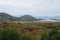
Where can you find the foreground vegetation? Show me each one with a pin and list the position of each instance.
(29, 31)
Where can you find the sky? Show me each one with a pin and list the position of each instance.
(31, 7)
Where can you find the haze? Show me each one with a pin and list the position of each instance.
(31, 7)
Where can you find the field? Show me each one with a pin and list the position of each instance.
(33, 30)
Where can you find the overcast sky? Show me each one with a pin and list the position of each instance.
(31, 7)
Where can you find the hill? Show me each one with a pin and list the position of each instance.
(27, 18)
(4, 17)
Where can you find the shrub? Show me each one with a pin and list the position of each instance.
(44, 36)
(53, 35)
(27, 37)
(56, 37)
(9, 35)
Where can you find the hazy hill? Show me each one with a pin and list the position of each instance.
(51, 18)
(27, 18)
(56, 17)
(4, 17)
(44, 17)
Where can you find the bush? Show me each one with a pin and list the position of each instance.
(14, 35)
(53, 35)
(9, 35)
(27, 37)
(56, 37)
(44, 36)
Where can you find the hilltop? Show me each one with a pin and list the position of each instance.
(4, 17)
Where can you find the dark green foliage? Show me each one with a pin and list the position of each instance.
(56, 37)
(53, 35)
(44, 36)
(14, 35)
(53, 32)
(9, 35)
(27, 37)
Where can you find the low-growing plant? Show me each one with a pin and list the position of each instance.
(9, 35)
(53, 35)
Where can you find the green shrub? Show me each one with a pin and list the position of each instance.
(56, 37)
(9, 35)
(27, 37)
(53, 35)
(44, 36)
(14, 35)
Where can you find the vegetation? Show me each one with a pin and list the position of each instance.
(53, 35)
(9, 35)
(29, 31)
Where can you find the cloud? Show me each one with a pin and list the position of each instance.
(15, 3)
(32, 7)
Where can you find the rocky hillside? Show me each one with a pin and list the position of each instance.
(27, 18)
(4, 17)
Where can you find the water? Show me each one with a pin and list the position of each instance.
(50, 20)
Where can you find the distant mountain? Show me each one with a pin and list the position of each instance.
(4, 17)
(44, 17)
(56, 17)
(27, 18)
(51, 18)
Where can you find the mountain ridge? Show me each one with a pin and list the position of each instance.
(5, 17)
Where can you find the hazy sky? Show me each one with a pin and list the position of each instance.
(31, 7)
